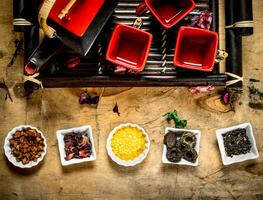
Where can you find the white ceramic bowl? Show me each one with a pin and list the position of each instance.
(61, 145)
(10, 156)
(128, 163)
(197, 133)
(253, 154)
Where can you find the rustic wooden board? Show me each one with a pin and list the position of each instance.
(53, 109)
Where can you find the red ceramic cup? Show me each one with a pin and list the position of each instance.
(129, 47)
(170, 12)
(196, 49)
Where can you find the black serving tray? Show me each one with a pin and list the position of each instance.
(94, 71)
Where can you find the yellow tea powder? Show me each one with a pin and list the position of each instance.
(128, 143)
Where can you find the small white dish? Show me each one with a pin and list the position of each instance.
(253, 154)
(128, 163)
(61, 145)
(10, 156)
(197, 133)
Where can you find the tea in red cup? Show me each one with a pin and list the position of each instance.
(170, 12)
(129, 47)
(196, 49)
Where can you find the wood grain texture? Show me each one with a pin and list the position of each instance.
(53, 109)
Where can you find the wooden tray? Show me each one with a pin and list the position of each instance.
(94, 71)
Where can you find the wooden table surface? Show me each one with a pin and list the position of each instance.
(53, 109)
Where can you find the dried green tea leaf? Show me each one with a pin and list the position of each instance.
(173, 116)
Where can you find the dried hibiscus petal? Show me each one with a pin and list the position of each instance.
(69, 156)
(84, 153)
(204, 20)
(85, 98)
(225, 98)
(77, 146)
(201, 89)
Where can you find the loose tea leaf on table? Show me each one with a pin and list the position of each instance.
(4, 86)
(174, 116)
(116, 109)
(18, 47)
(255, 97)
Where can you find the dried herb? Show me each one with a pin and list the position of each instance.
(188, 139)
(177, 121)
(190, 155)
(18, 47)
(254, 80)
(116, 109)
(225, 98)
(180, 145)
(27, 145)
(22, 90)
(236, 142)
(170, 139)
(86, 98)
(201, 89)
(204, 20)
(4, 86)
(255, 97)
(77, 145)
(231, 96)
(174, 154)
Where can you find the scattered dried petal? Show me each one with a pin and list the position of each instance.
(201, 89)
(204, 20)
